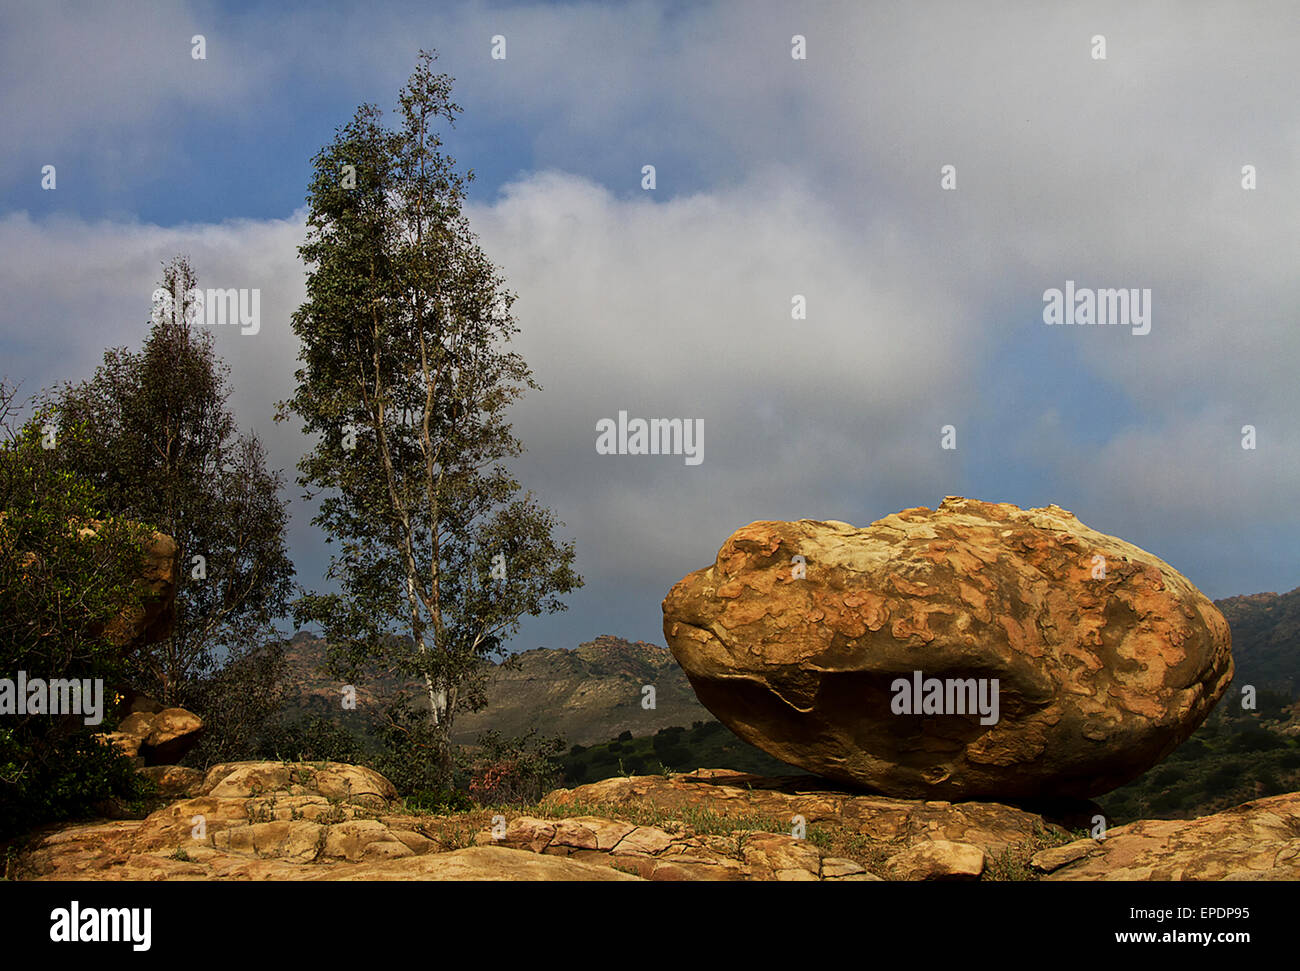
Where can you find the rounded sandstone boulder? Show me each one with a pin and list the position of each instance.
(975, 650)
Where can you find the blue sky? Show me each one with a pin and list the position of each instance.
(775, 177)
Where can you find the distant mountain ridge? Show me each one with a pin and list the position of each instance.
(1265, 639)
(589, 694)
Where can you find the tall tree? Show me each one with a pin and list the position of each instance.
(406, 381)
(164, 448)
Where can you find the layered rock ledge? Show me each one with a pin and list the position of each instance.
(328, 821)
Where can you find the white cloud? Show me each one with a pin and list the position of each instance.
(818, 177)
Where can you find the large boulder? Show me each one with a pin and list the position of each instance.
(805, 638)
(160, 737)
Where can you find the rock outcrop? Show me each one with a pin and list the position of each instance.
(298, 821)
(159, 737)
(282, 821)
(328, 821)
(803, 637)
(1257, 840)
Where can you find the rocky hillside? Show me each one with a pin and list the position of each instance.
(1265, 639)
(588, 695)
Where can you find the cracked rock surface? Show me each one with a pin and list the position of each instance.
(329, 821)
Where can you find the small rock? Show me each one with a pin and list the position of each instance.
(937, 860)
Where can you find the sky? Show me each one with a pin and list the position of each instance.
(776, 176)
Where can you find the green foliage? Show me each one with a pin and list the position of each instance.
(414, 755)
(405, 382)
(1255, 739)
(241, 704)
(1235, 756)
(314, 739)
(442, 802)
(514, 771)
(676, 749)
(163, 448)
(75, 778)
(59, 592)
(1166, 777)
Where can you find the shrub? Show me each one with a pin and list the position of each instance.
(514, 771)
(676, 757)
(1193, 748)
(1222, 779)
(1165, 777)
(1255, 740)
(240, 705)
(414, 757)
(1169, 801)
(443, 802)
(315, 739)
(59, 592)
(78, 778)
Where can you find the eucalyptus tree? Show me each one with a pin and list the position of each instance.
(407, 377)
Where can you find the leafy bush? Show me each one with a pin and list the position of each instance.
(414, 756)
(240, 705)
(514, 771)
(1165, 777)
(1222, 779)
(442, 801)
(1193, 748)
(60, 591)
(78, 778)
(1255, 739)
(316, 739)
(1169, 801)
(675, 757)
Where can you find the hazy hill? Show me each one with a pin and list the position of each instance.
(1265, 639)
(588, 695)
